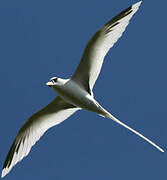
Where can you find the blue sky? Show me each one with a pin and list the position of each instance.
(41, 39)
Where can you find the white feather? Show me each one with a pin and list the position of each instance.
(53, 114)
(98, 46)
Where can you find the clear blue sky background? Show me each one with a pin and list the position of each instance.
(40, 39)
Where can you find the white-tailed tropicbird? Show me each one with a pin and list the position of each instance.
(75, 93)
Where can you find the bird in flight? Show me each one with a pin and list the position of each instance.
(75, 93)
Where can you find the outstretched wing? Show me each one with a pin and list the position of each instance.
(54, 113)
(98, 46)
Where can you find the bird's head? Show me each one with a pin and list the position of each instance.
(54, 82)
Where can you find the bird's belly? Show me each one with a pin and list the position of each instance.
(74, 94)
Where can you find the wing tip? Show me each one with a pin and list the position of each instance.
(136, 5)
(5, 171)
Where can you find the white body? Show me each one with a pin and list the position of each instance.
(75, 93)
(72, 93)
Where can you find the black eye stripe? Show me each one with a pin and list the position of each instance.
(54, 80)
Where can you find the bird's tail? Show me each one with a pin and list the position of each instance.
(108, 115)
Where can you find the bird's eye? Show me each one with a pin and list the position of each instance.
(54, 80)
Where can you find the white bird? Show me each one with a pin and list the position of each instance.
(73, 94)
